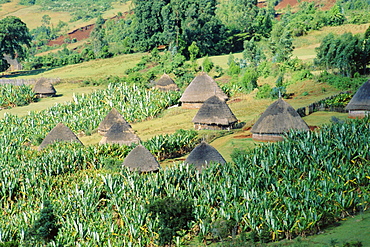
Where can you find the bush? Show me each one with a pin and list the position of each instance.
(264, 92)
(173, 215)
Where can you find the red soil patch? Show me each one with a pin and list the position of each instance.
(79, 34)
(235, 100)
(312, 127)
(322, 4)
(261, 4)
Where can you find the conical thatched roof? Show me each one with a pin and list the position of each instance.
(44, 87)
(203, 154)
(120, 133)
(140, 159)
(361, 100)
(165, 83)
(59, 133)
(279, 118)
(201, 88)
(111, 118)
(215, 111)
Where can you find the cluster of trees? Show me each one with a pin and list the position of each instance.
(348, 54)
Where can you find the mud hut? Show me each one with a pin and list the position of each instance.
(43, 88)
(359, 106)
(111, 118)
(141, 160)
(279, 118)
(202, 155)
(59, 133)
(199, 90)
(214, 114)
(120, 133)
(165, 83)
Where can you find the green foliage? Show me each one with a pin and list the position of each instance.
(207, 64)
(281, 43)
(340, 82)
(252, 53)
(9, 244)
(11, 96)
(340, 100)
(173, 215)
(277, 92)
(45, 228)
(347, 53)
(264, 92)
(301, 75)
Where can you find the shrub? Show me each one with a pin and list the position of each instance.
(264, 92)
(173, 215)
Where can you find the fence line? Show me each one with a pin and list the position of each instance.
(19, 82)
(320, 106)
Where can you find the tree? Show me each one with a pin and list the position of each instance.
(14, 36)
(281, 43)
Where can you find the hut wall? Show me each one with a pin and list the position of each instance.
(200, 126)
(358, 114)
(267, 137)
(195, 105)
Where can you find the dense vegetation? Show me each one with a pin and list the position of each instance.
(273, 192)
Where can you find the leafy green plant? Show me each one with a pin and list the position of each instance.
(173, 215)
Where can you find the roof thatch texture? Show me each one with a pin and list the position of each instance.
(111, 118)
(165, 83)
(202, 155)
(120, 133)
(44, 87)
(140, 159)
(201, 88)
(279, 118)
(215, 111)
(13, 62)
(59, 133)
(361, 99)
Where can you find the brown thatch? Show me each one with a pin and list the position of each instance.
(199, 90)
(359, 106)
(43, 88)
(202, 155)
(140, 159)
(111, 118)
(120, 133)
(165, 83)
(59, 133)
(13, 62)
(278, 118)
(214, 114)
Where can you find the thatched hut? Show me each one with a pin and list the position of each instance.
(141, 160)
(214, 114)
(279, 118)
(58, 134)
(43, 88)
(120, 133)
(204, 154)
(359, 106)
(111, 118)
(165, 83)
(199, 90)
(13, 62)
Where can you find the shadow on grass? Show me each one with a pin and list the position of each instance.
(16, 74)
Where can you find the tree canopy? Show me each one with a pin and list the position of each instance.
(14, 36)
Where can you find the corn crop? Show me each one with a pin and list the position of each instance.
(11, 95)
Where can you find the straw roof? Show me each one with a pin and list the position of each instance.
(203, 154)
(201, 88)
(165, 83)
(120, 133)
(111, 118)
(361, 99)
(44, 87)
(140, 159)
(279, 118)
(57, 134)
(215, 111)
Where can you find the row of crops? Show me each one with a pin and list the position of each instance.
(275, 191)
